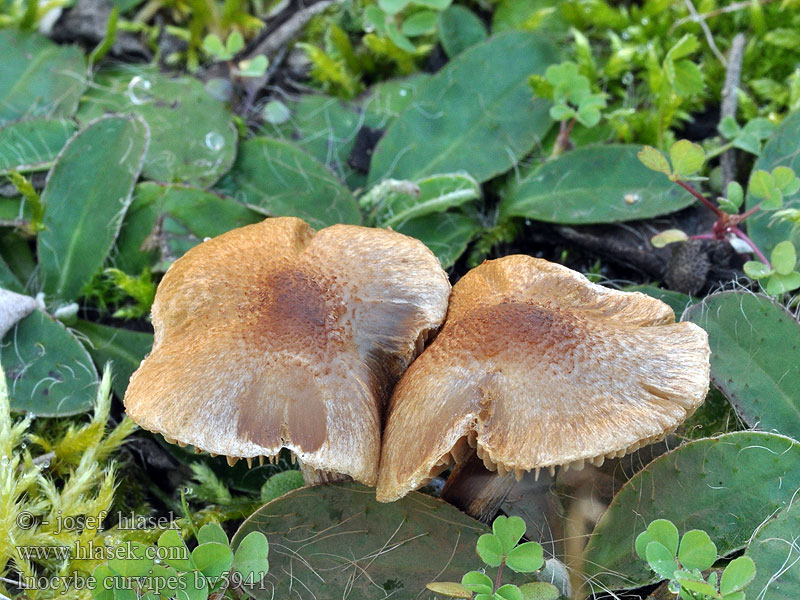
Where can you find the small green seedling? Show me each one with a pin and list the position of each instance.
(254, 67)
(571, 94)
(400, 20)
(501, 549)
(171, 570)
(683, 560)
(748, 138)
(684, 162)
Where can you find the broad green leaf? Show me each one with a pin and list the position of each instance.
(780, 284)
(697, 551)
(596, 184)
(783, 258)
(49, 372)
(780, 150)
(774, 550)
(250, 558)
(446, 234)
(32, 145)
(685, 77)
(460, 28)
(478, 582)
(212, 532)
(174, 551)
(525, 558)
(471, 116)
(37, 77)
(123, 348)
(723, 485)
(86, 196)
(755, 348)
(757, 270)
(279, 179)
(193, 137)
(420, 23)
(437, 194)
(737, 575)
(687, 158)
(661, 560)
(212, 559)
(164, 221)
(490, 549)
(509, 530)
(433, 541)
(449, 589)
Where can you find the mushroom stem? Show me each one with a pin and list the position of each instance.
(314, 476)
(476, 490)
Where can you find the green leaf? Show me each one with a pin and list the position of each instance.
(661, 560)
(525, 558)
(780, 150)
(507, 592)
(212, 559)
(762, 186)
(595, 184)
(419, 23)
(436, 194)
(164, 221)
(781, 284)
(254, 67)
(755, 332)
(213, 45)
(32, 145)
(729, 128)
(398, 39)
(737, 575)
(746, 473)
(477, 582)
(509, 530)
(459, 29)
(757, 270)
(684, 47)
(654, 160)
(376, 17)
(175, 552)
(773, 548)
(539, 590)
(135, 562)
(37, 77)
(699, 587)
(561, 112)
(279, 179)
(192, 586)
(687, 158)
(783, 258)
(281, 483)
(392, 7)
(686, 78)
(783, 177)
(760, 127)
(49, 372)
(193, 139)
(212, 532)
(446, 234)
(250, 558)
(697, 551)
(123, 348)
(735, 194)
(668, 236)
(748, 143)
(588, 116)
(665, 533)
(234, 43)
(86, 196)
(426, 526)
(470, 116)
(490, 549)
(434, 4)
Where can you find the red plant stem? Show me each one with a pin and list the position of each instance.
(746, 214)
(700, 197)
(499, 579)
(743, 236)
(703, 236)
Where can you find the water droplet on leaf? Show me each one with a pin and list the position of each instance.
(138, 90)
(214, 141)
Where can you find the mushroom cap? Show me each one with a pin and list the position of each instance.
(536, 367)
(273, 336)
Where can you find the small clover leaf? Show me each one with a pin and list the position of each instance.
(509, 531)
(688, 582)
(253, 67)
(250, 558)
(662, 531)
(477, 582)
(687, 158)
(729, 128)
(737, 575)
(661, 559)
(783, 258)
(757, 270)
(654, 160)
(508, 592)
(525, 558)
(780, 284)
(490, 549)
(234, 43)
(212, 559)
(696, 550)
(175, 554)
(212, 532)
(762, 186)
(449, 589)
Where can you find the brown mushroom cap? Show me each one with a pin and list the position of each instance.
(272, 336)
(537, 367)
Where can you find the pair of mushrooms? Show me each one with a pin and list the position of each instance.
(273, 336)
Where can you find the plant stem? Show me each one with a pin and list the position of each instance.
(564, 130)
(747, 213)
(499, 579)
(700, 197)
(743, 236)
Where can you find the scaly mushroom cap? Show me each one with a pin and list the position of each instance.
(537, 367)
(272, 336)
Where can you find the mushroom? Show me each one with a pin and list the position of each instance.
(273, 336)
(536, 367)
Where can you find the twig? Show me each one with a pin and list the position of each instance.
(272, 41)
(706, 31)
(730, 100)
(715, 13)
